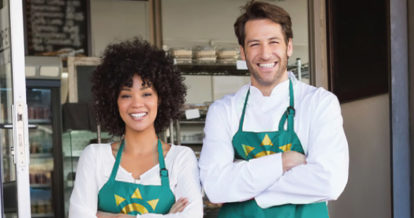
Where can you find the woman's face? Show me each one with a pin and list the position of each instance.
(138, 106)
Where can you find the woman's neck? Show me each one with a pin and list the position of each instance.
(138, 143)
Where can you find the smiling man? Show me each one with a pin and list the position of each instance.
(275, 148)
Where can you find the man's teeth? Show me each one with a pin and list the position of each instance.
(267, 65)
(138, 115)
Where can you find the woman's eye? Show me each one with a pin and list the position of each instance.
(125, 96)
(147, 94)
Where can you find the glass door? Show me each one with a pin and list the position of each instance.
(14, 146)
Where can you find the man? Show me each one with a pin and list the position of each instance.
(276, 147)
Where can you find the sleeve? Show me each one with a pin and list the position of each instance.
(84, 198)
(325, 174)
(226, 180)
(188, 186)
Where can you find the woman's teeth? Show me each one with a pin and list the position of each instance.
(138, 115)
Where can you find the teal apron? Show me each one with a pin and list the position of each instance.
(129, 198)
(248, 145)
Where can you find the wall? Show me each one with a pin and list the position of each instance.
(113, 21)
(368, 192)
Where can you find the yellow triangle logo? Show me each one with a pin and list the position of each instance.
(286, 147)
(153, 203)
(119, 200)
(247, 149)
(266, 141)
(136, 194)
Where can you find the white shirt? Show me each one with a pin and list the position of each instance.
(95, 166)
(318, 124)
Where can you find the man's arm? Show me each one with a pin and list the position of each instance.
(325, 173)
(225, 180)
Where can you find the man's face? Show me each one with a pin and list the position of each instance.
(266, 53)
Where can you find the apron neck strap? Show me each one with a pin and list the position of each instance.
(290, 111)
(117, 161)
(163, 169)
(244, 110)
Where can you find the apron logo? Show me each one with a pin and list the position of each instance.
(266, 141)
(135, 207)
(264, 145)
(286, 147)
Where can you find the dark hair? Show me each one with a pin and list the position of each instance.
(120, 63)
(254, 10)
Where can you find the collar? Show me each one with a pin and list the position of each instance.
(280, 88)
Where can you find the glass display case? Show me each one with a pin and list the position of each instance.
(43, 100)
(74, 141)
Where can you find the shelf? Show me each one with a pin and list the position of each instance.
(42, 215)
(41, 185)
(191, 122)
(41, 155)
(192, 143)
(40, 121)
(211, 69)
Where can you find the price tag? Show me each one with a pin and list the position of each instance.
(192, 114)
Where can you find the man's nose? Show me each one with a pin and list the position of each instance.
(265, 52)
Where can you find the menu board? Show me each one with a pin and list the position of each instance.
(55, 25)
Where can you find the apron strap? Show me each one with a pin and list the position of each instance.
(244, 110)
(290, 111)
(117, 161)
(163, 170)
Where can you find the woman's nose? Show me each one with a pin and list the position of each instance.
(137, 100)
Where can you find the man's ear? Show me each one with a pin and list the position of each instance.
(289, 48)
(242, 54)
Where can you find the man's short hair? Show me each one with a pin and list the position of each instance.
(255, 10)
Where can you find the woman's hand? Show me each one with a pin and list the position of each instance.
(179, 205)
(101, 214)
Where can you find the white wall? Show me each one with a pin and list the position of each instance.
(114, 20)
(368, 192)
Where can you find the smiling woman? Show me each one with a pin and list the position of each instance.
(137, 92)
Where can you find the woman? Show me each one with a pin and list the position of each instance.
(137, 93)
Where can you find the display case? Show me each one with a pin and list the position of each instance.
(43, 100)
(74, 141)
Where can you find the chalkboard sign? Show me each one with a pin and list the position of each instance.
(53, 25)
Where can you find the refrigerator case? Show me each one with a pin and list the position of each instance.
(45, 169)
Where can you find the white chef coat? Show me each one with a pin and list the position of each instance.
(95, 166)
(318, 124)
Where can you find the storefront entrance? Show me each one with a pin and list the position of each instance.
(14, 152)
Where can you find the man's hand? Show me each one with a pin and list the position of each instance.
(179, 205)
(292, 159)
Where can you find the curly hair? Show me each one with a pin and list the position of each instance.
(254, 10)
(119, 64)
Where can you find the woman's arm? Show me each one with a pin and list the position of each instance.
(84, 198)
